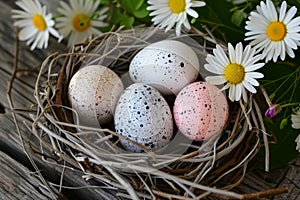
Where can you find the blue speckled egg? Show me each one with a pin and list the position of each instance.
(143, 115)
(167, 65)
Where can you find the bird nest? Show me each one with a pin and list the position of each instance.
(198, 169)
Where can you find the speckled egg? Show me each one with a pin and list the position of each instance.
(93, 92)
(167, 65)
(200, 111)
(143, 115)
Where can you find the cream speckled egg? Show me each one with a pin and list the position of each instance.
(93, 92)
(167, 65)
(143, 115)
(200, 111)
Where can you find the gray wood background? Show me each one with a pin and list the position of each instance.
(17, 178)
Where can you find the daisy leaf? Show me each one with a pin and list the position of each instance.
(237, 17)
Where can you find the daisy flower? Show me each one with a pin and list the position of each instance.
(167, 13)
(296, 119)
(236, 71)
(35, 25)
(274, 34)
(80, 19)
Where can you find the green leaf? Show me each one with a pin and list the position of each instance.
(272, 96)
(127, 22)
(131, 5)
(138, 4)
(142, 12)
(237, 17)
(283, 123)
(128, 5)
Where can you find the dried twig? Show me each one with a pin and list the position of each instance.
(14, 116)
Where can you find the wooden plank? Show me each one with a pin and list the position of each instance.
(16, 181)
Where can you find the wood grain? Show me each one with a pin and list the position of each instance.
(17, 181)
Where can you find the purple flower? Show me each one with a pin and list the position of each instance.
(273, 111)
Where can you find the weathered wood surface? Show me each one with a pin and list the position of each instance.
(17, 180)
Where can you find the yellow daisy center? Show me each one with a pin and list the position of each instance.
(177, 6)
(81, 22)
(234, 73)
(276, 31)
(39, 22)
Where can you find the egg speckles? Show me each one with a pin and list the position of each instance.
(200, 111)
(93, 92)
(143, 115)
(167, 65)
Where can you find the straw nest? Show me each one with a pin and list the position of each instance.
(211, 168)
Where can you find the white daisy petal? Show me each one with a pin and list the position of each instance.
(27, 33)
(251, 80)
(282, 12)
(238, 92)
(221, 55)
(298, 141)
(231, 53)
(290, 52)
(290, 14)
(295, 118)
(192, 13)
(249, 87)
(254, 67)
(246, 54)
(198, 4)
(231, 94)
(255, 74)
(238, 53)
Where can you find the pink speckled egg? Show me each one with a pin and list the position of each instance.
(200, 111)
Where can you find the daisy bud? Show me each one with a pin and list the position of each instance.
(273, 111)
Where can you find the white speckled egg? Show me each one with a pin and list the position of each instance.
(93, 92)
(167, 65)
(143, 115)
(200, 111)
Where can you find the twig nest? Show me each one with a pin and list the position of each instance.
(93, 92)
(177, 167)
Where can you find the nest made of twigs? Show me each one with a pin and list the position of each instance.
(210, 168)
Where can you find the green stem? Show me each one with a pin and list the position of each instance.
(290, 104)
(218, 24)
